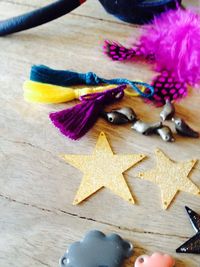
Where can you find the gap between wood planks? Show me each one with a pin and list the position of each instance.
(88, 219)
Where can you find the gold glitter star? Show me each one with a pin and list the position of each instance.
(171, 177)
(103, 169)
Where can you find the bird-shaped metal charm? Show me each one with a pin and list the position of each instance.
(119, 116)
(166, 134)
(168, 111)
(183, 128)
(193, 244)
(114, 117)
(146, 128)
(128, 112)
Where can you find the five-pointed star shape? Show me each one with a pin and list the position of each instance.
(103, 169)
(171, 177)
(193, 244)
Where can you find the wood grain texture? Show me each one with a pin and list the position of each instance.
(37, 188)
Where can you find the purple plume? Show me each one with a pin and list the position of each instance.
(174, 39)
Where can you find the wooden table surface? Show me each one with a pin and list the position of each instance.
(37, 218)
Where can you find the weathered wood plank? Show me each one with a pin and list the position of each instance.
(63, 181)
(40, 237)
(32, 172)
(36, 129)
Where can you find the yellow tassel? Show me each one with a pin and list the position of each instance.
(50, 94)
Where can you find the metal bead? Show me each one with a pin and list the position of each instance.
(128, 112)
(146, 128)
(184, 129)
(115, 117)
(166, 134)
(168, 111)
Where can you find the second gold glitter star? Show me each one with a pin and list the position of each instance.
(171, 177)
(103, 169)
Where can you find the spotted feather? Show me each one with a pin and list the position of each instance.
(167, 87)
(118, 52)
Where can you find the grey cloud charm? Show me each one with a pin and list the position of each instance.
(97, 250)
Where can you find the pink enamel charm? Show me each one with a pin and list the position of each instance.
(156, 260)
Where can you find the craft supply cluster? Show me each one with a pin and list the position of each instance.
(173, 52)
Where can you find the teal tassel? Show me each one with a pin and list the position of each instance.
(45, 74)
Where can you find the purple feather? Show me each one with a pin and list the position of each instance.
(174, 39)
(172, 44)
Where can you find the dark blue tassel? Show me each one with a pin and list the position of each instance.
(45, 74)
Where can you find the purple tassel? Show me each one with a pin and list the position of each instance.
(78, 120)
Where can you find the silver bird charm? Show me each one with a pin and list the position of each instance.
(168, 111)
(166, 134)
(146, 128)
(128, 112)
(114, 117)
(184, 129)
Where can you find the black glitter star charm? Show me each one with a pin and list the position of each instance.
(193, 244)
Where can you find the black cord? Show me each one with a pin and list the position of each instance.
(38, 17)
